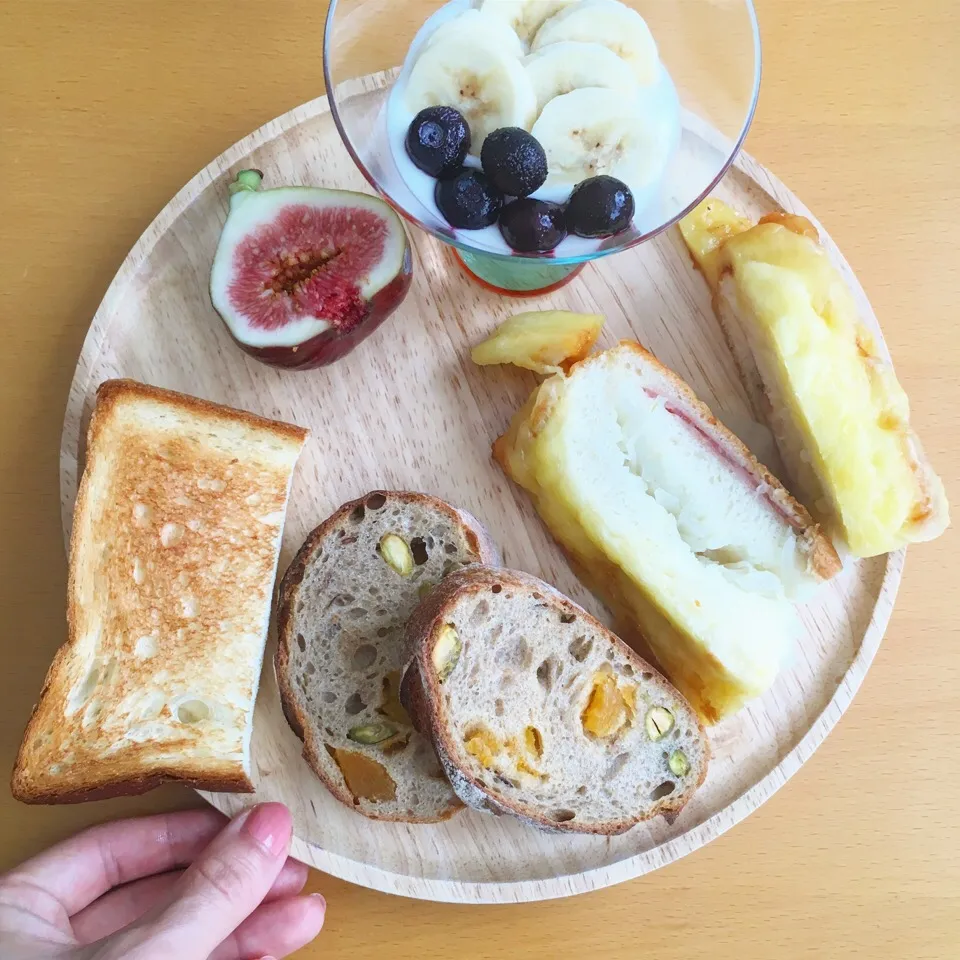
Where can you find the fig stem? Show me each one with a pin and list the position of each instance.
(248, 181)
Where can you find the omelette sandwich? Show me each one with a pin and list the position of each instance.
(816, 375)
(695, 546)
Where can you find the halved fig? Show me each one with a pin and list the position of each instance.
(302, 274)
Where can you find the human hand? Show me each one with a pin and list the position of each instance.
(185, 885)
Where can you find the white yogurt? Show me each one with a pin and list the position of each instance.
(658, 107)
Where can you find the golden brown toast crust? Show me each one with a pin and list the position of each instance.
(112, 392)
(167, 535)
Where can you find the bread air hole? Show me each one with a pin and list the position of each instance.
(193, 711)
(580, 648)
(418, 548)
(354, 704)
(567, 618)
(562, 816)
(518, 654)
(390, 705)
(364, 656)
(310, 669)
(545, 674)
(498, 708)
(301, 643)
(328, 696)
(358, 514)
(450, 548)
(479, 613)
(617, 764)
(376, 502)
(664, 790)
(93, 711)
(496, 588)
(83, 691)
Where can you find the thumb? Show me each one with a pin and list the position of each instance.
(225, 884)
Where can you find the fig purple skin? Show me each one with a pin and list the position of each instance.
(303, 275)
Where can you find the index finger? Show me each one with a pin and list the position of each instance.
(81, 869)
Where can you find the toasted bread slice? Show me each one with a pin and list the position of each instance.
(344, 604)
(690, 540)
(815, 373)
(176, 536)
(537, 710)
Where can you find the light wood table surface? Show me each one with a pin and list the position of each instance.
(108, 106)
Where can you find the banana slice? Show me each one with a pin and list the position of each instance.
(524, 17)
(482, 28)
(610, 23)
(566, 66)
(490, 88)
(588, 132)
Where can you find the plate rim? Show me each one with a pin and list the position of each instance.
(485, 892)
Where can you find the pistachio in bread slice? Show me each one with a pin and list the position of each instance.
(537, 710)
(343, 608)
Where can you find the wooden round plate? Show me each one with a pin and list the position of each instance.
(408, 410)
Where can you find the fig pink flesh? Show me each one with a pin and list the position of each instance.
(308, 261)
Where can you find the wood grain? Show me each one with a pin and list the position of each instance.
(430, 427)
(109, 107)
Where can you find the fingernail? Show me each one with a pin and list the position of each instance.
(270, 825)
(320, 897)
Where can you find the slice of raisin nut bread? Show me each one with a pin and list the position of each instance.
(343, 608)
(537, 710)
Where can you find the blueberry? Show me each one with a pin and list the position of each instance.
(469, 200)
(600, 207)
(438, 141)
(514, 161)
(533, 226)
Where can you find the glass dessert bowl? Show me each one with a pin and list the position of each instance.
(534, 136)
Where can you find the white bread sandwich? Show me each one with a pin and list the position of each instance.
(690, 541)
(176, 537)
(344, 605)
(538, 711)
(831, 398)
